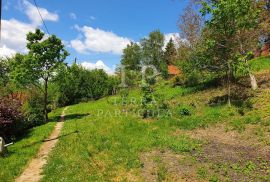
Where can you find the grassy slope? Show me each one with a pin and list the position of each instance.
(23, 150)
(260, 64)
(108, 146)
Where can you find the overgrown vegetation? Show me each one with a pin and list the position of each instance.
(207, 122)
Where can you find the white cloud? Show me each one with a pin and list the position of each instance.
(73, 16)
(98, 65)
(6, 52)
(33, 14)
(97, 40)
(176, 39)
(174, 36)
(13, 37)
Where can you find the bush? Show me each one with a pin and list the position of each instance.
(178, 81)
(11, 118)
(76, 84)
(185, 111)
(238, 125)
(255, 119)
(33, 109)
(148, 102)
(193, 79)
(124, 96)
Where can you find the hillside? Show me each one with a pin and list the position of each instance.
(150, 91)
(202, 139)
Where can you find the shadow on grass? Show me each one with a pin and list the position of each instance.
(56, 118)
(27, 133)
(9, 153)
(68, 117)
(46, 140)
(74, 116)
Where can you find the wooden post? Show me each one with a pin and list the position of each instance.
(2, 146)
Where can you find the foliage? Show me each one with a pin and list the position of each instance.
(153, 54)
(223, 49)
(11, 117)
(4, 70)
(33, 109)
(184, 111)
(190, 24)
(44, 57)
(170, 53)
(264, 20)
(131, 57)
(148, 102)
(75, 84)
(229, 19)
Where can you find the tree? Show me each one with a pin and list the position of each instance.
(131, 57)
(264, 20)
(190, 25)
(4, 70)
(44, 57)
(228, 19)
(170, 53)
(75, 84)
(153, 53)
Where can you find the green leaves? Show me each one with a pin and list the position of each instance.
(45, 55)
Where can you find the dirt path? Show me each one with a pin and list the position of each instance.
(33, 171)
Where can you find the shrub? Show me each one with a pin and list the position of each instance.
(11, 118)
(238, 125)
(148, 101)
(124, 96)
(184, 111)
(76, 84)
(178, 81)
(255, 119)
(33, 109)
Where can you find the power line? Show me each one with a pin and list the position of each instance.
(41, 17)
(0, 18)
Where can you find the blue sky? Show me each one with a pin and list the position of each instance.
(93, 30)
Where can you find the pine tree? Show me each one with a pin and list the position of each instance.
(170, 53)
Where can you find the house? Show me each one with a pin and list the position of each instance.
(173, 70)
(265, 50)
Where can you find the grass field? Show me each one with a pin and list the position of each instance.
(114, 144)
(22, 151)
(260, 64)
(201, 140)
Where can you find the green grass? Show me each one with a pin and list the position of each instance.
(108, 147)
(112, 136)
(24, 150)
(260, 64)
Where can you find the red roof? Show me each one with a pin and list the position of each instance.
(173, 70)
(265, 50)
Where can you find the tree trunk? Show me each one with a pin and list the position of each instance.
(46, 100)
(229, 77)
(253, 81)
